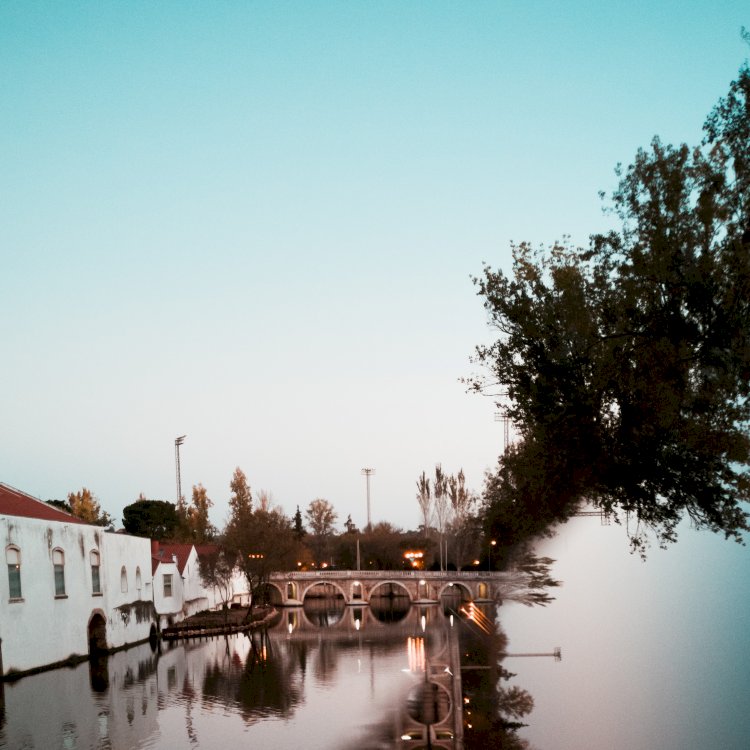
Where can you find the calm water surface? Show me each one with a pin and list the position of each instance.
(323, 677)
(655, 654)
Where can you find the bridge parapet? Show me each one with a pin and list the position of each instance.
(357, 587)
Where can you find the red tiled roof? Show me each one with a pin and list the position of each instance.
(163, 553)
(13, 502)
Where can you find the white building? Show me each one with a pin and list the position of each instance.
(178, 589)
(70, 588)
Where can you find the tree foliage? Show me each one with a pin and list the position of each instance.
(216, 566)
(627, 363)
(85, 506)
(155, 519)
(424, 500)
(261, 542)
(321, 517)
(241, 499)
(201, 530)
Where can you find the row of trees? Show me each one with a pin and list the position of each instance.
(627, 363)
(445, 502)
(259, 538)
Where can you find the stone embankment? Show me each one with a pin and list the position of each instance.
(206, 624)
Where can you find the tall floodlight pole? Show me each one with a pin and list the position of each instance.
(177, 443)
(368, 473)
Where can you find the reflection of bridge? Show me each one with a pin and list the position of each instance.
(342, 624)
(360, 586)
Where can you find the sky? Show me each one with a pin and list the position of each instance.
(256, 224)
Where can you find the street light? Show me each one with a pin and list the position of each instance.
(368, 472)
(177, 443)
(489, 559)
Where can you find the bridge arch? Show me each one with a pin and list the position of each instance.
(333, 584)
(453, 587)
(389, 581)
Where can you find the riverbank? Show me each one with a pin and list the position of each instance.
(208, 623)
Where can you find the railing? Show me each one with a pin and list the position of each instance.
(407, 574)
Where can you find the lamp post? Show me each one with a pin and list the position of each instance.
(489, 559)
(368, 472)
(177, 443)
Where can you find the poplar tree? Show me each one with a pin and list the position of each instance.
(201, 528)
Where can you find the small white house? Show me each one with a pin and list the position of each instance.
(70, 588)
(178, 592)
(178, 588)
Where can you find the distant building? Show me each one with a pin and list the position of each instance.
(178, 589)
(70, 588)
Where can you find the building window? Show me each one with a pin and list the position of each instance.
(96, 586)
(58, 560)
(167, 584)
(13, 558)
(138, 583)
(123, 580)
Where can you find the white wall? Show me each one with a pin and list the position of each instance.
(169, 608)
(43, 628)
(130, 613)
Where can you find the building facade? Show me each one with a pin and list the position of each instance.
(70, 589)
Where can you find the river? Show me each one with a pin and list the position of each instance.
(326, 676)
(655, 654)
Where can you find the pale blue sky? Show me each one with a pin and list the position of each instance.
(255, 223)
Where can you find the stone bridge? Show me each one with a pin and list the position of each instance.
(358, 587)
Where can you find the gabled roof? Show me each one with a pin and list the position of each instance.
(161, 552)
(13, 502)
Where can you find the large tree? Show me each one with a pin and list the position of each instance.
(321, 518)
(627, 363)
(155, 519)
(261, 543)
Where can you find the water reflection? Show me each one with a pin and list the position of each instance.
(321, 676)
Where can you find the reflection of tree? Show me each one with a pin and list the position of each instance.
(326, 662)
(492, 709)
(529, 585)
(264, 685)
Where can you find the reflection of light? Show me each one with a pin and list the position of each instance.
(415, 652)
(357, 624)
(451, 620)
(405, 736)
(290, 628)
(423, 623)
